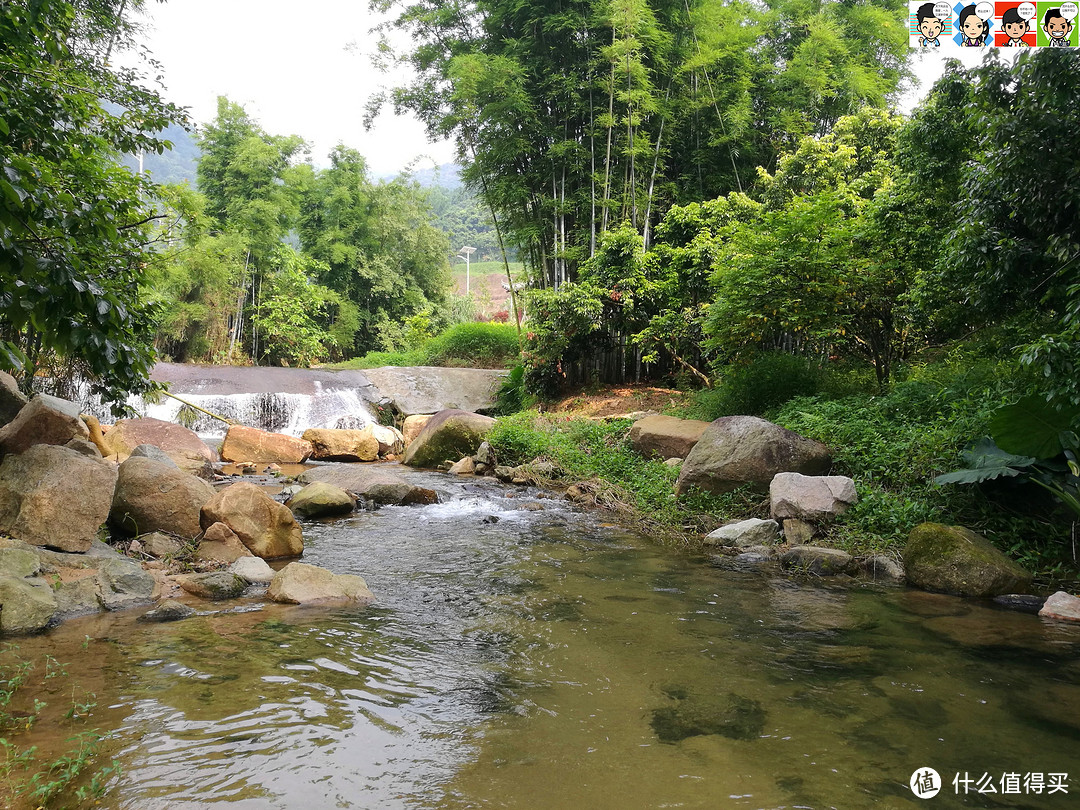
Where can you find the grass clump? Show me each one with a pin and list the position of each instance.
(463, 345)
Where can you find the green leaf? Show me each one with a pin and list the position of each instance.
(986, 461)
(1031, 427)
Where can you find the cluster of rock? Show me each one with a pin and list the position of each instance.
(740, 451)
(370, 443)
(63, 480)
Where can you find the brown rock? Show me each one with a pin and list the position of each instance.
(342, 445)
(183, 446)
(464, 467)
(665, 436)
(251, 444)
(53, 496)
(43, 420)
(12, 399)
(265, 526)
(302, 584)
(412, 426)
(737, 450)
(220, 544)
(152, 496)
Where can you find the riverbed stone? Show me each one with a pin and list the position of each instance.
(254, 569)
(84, 447)
(1061, 605)
(25, 606)
(381, 485)
(813, 498)
(343, 445)
(881, 568)
(266, 527)
(124, 584)
(157, 496)
(159, 545)
(12, 399)
(449, 434)
(220, 544)
(262, 447)
(745, 533)
(216, 585)
(321, 499)
(153, 453)
(52, 496)
(693, 714)
(956, 560)
(666, 437)
(412, 426)
(391, 440)
(168, 611)
(798, 532)
(181, 445)
(738, 450)
(465, 466)
(77, 597)
(43, 420)
(302, 584)
(19, 563)
(816, 560)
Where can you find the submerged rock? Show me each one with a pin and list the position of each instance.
(737, 450)
(168, 611)
(216, 585)
(956, 560)
(817, 560)
(731, 715)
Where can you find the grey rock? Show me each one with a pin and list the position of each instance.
(321, 499)
(12, 399)
(485, 454)
(377, 484)
(84, 447)
(817, 560)
(798, 532)
(813, 498)
(43, 420)
(19, 563)
(956, 560)
(124, 584)
(881, 568)
(217, 585)
(738, 450)
(168, 611)
(160, 545)
(1022, 602)
(26, 606)
(80, 597)
(254, 569)
(751, 532)
(423, 390)
(154, 453)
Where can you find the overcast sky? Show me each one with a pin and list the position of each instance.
(291, 65)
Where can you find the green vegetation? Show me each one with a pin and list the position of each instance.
(463, 345)
(71, 778)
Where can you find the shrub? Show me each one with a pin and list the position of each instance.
(474, 345)
(766, 381)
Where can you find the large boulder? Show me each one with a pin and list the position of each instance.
(956, 560)
(152, 496)
(342, 445)
(251, 444)
(43, 420)
(666, 437)
(53, 496)
(26, 606)
(376, 484)
(813, 498)
(321, 500)
(425, 389)
(183, 446)
(267, 528)
(302, 584)
(737, 450)
(412, 426)
(12, 399)
(448, 435)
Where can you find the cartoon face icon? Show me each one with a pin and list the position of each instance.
(1015, 30)
(972, 27)
(931, 27)
(1057, 27)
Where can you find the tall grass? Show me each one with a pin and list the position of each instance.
(463, 345)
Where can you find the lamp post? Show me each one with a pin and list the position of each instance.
(465, 253)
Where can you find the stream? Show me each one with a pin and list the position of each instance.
(521, 654)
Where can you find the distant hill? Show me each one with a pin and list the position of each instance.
(447, 176)
(176, 165)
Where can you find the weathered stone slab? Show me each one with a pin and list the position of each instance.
(422, 389)
(666, 436)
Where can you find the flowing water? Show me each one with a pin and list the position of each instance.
(522, 655)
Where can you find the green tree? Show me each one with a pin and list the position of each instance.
(73, 239)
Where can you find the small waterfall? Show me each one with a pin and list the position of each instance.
(291, 414)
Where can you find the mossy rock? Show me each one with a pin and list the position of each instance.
(448, 436)
(956, 560)
(321, 500)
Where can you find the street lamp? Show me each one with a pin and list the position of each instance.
(465, 253)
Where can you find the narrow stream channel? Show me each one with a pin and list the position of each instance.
(522, 655)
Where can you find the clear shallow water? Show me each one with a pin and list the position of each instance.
(540, 659)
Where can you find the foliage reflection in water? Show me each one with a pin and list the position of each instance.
(538, 659)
